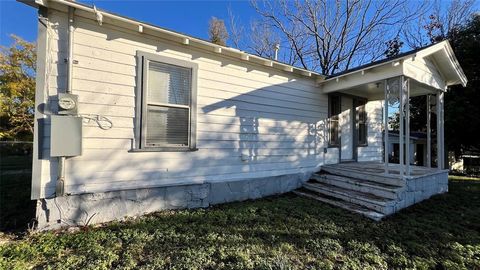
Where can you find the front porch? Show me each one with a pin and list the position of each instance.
(378, 189)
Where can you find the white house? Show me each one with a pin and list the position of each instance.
(418, 146)
(132, 118)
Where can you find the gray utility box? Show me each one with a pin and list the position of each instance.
(66, 136)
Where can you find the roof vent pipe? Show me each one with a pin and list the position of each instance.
(276, 48)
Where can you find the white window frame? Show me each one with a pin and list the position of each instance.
(143, 61)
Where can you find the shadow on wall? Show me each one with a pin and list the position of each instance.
(269, 127)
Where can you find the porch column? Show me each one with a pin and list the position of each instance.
(440, 124)
(429, 132)
(444, 165)
(385, 126)
(440, 129)
(402, 132)
(407, 125)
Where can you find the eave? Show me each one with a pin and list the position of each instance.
(186, 40)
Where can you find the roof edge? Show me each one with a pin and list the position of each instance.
(442, 45)
(456, 65)
(186, 39)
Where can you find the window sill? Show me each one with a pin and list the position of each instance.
(333, 146)
(163, 149)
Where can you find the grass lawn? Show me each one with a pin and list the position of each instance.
(282, 232)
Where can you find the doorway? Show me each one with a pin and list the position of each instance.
(346, 130)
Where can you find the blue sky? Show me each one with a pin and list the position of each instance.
(189, 17)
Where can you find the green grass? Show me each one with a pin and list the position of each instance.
(463, 178)
(282, 232)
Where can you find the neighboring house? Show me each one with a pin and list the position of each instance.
(418, 144)
(133, 118)
(467, 163)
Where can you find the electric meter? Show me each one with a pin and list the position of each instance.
(67, 104)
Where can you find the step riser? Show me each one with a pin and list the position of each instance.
(363, 176)
(384, 209)
(389, 194)
(374, 216)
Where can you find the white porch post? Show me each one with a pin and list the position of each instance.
(442, 130)
(385, 128)
(429, 131)
(401, 145)
(440, 153)
(407, 125)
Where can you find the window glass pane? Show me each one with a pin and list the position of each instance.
(362, 117)
(362, 134)
(167, 126)
(334, 132)
(168, 84)
(335, 110)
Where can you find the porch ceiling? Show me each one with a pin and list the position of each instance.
(375, 90)
(430, 69)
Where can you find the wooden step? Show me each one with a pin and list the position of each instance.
(378, 204)
(340, 203)
(365, 186)
(364, 175)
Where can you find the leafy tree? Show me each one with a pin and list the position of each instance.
(17, 89)
(462, 104)
(217, 31)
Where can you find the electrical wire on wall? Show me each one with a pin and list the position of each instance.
(101, 121)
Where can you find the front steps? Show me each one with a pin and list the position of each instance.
(357, 191)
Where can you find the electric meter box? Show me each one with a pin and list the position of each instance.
(66, 136)
(67, 104)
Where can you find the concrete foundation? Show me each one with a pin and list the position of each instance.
(422, 188)
(79, 210)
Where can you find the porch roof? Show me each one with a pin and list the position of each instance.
(431, 68)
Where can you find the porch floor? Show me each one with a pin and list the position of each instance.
(378, 169)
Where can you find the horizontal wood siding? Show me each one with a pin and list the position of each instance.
(252, 121)
(374, 150)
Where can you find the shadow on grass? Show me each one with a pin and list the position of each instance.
(280, 232)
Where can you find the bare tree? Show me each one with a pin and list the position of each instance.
(236, 29)
(393, 47)
(262, 39)
(331, 36)
(437, 22)
(217, 31)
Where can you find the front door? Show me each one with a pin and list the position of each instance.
(346, 130)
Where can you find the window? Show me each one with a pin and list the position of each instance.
(361, 117)
(166, 103)
(334, 111)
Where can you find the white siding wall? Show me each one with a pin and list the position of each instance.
(374, 150)
(273, 121)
